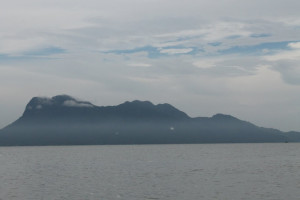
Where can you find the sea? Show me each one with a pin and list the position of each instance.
(148, 172)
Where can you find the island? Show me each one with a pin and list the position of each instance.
(64, 120)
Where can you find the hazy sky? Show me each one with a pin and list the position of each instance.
(204, 57)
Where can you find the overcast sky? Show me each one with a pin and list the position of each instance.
(204, 57)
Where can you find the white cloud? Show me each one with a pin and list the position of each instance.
(292, 54)
(204, 63)
(294, 45)
(139, 65)
(44, 101)
(290, 21)
(211, 32)
(72, 103)
(287, 63)
(284, 55)
(17, 45)
(176, 51)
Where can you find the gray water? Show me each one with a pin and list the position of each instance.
(175, 172)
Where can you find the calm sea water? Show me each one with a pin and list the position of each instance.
(175, 172)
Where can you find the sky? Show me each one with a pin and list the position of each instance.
(204, 57)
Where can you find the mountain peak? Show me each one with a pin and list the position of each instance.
(60, 99)
(139, 103)
(38, 103)
(221, 116)
(146, 109)
(66, 106)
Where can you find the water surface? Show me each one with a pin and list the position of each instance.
(135, 172)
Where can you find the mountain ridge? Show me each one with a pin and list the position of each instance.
(64, 120)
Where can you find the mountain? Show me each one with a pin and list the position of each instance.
(64, 120)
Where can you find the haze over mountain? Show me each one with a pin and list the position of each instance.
(64, 120)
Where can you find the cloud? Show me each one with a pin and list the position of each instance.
(260, 35)
(139, 65)
(15, 46)
(176, 51)
(155, 52)
(260, 48)
(284, 55)
(287, 62)
(204, 63)
(294, 45)
(150, 50)
(73, 103)
(211, 32)
(47, 51)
